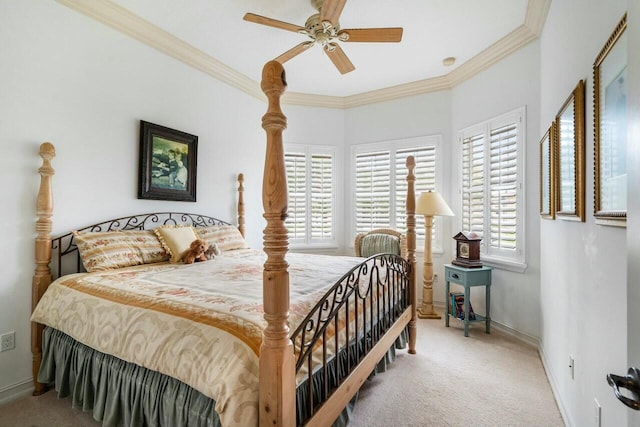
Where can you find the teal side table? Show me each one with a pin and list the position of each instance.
(468, 278)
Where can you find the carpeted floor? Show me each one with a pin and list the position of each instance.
(482, 380)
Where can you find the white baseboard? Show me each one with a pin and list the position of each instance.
(507, 330)
(16, 391)
(554, 388)
(520, 336)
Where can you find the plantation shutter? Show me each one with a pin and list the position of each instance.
(321, 196)
(373, 191)
(425, 180)
(473, 184)
(503, 187)
(296, 222)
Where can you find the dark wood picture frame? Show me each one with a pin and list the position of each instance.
(548, 173)
(570, 159)
(610, 129)
(168, 163)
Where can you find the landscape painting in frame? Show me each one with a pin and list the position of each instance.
(168, 163)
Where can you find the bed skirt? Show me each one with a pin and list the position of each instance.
(119, 393)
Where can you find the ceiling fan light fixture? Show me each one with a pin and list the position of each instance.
(324, 28)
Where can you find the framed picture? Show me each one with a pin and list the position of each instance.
(570, 147)
(610, 117)
(168, 162)
(547, 174)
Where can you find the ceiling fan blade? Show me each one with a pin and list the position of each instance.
(297, 50)
(331, 10)
(252, 17)
(379, 35)
(339, 58)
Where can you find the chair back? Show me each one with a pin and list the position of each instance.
(381, 240)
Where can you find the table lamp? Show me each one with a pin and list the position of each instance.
(429, 204)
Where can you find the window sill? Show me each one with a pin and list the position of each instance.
(504, 264)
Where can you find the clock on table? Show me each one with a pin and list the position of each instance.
(467, 250)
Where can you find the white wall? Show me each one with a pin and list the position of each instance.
(510, 84)
(633, 197)
(83, 86)
(583, 265)
(507, 85)
(421, 115)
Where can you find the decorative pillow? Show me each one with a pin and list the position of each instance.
(227, 237)
(107, 250)
(176, 239)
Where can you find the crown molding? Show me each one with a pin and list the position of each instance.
(121, 19)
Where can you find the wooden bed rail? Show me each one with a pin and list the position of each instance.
(42, 274)
(277, 404)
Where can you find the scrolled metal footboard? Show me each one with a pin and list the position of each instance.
(346, 324)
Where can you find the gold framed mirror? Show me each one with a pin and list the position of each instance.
(610, 133)
(570, 143)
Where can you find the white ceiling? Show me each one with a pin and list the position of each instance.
(219, 42)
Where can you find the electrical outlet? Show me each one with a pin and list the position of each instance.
(598, 413)
(7, 341)
(572, 363)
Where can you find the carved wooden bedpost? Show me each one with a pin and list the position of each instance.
(411, 250)
(241, 203)
(277, 364)
(42, 274)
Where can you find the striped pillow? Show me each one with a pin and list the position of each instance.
(227, 237)
(100, 251)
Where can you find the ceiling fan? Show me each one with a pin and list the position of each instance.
(323, 28)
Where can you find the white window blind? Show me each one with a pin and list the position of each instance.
(373, 191)
(503, 186)
(321, 197)
(296, 165)
(492, 174)
(425, 172)
(311, 192)
(381, 184)
(473, 184)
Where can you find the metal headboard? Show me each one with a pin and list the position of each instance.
(65, 258)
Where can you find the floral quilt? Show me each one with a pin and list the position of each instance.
(200, 323)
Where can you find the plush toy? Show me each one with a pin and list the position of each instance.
(212, 251)
(195, 252)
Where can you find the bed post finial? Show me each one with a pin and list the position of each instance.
(411, 250)
(277, 363)
(42, 274)
(241, 203)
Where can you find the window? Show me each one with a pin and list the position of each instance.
(379, 204)
(311, 186)
(492, 176)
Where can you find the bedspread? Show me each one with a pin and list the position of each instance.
(199, 323)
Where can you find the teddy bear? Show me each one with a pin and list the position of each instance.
(196, 252)
(212, 251)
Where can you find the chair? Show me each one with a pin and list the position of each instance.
(381, 240)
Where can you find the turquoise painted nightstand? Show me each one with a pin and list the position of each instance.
(468, 278)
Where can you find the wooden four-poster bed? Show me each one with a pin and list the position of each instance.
(297, 355)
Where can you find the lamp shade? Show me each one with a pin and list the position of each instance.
(431, 203)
